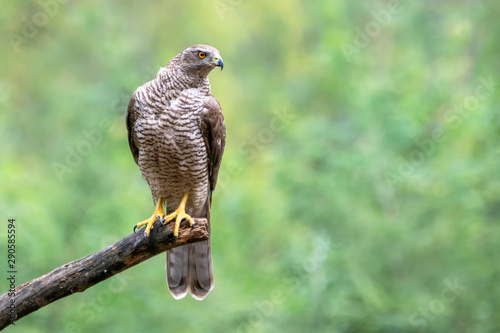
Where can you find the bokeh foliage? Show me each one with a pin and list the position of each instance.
(355, 187)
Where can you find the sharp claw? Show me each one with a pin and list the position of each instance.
(135, 227)
(159, 223)
(192, 227)
(145, 235)
(175, 239)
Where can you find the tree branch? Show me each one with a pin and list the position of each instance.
(81, 274)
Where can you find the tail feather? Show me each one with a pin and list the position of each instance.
(177, 271)
(201, 276)
(189, 268)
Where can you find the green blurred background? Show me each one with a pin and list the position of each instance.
(359, 190)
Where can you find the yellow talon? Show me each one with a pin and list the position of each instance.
(158, 213)
(179, 214)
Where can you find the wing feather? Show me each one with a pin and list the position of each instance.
(130, 121)
(213, 131)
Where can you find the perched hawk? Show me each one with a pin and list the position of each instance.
(177, 135)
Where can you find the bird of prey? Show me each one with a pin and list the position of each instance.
(177, 134)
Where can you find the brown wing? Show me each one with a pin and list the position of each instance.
(213, 131)
(131, 117)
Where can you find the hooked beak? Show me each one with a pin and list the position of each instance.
(219, 62)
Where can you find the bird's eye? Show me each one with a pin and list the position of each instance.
(201, 55)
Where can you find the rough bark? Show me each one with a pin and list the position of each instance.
(83, 273)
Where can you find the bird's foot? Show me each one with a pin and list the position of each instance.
(158, 215)
(178, 215)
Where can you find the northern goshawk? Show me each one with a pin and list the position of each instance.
(176, 133)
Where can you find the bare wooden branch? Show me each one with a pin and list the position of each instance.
(81, 274)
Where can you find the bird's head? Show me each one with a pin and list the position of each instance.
(200, 59)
